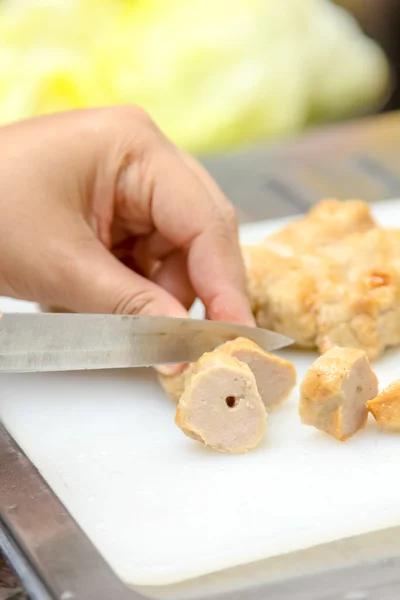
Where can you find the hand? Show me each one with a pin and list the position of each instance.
(99, 212)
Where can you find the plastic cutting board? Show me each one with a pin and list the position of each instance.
(160, 507)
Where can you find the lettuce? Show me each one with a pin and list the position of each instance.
(214, 74)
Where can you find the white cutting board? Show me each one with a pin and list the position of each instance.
(160, 507)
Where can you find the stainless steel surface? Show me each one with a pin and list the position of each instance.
(27, 576)
(60, 554)
(69, 342)
(56, 560)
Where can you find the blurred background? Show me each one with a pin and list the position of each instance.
(216, 75)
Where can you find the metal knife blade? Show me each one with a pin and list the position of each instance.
(32, 342)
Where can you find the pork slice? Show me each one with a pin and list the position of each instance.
(275, 376)
(335, 391)
(221, 406)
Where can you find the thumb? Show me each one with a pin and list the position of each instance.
(96, 282)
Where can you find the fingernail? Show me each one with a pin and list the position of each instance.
(170, 370)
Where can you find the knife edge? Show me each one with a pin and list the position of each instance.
(32, 342)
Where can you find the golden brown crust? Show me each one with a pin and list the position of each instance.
(385, 408)
(335, 390)
(333, 281)
(282, 293)
(328, 221)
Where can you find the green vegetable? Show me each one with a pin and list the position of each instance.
(213, 74)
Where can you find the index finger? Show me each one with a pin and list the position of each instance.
(188, 212)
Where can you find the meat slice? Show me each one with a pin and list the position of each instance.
(335, 391)
(219, 397)
(221, 406)
(386, 407)
(275, 376)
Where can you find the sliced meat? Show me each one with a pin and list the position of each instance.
(221, 406)
(335, 391)
(386, 407)
(275, 376)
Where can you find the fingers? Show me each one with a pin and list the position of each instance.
(157, 259)
(140, 183)
(216, 274)
(93, 280)
(102, 284)
(200, 222)
(173, 277)
(219, 198)
(113, 168)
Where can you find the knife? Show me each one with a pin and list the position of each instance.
(31, 342)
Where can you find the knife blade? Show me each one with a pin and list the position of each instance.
(32, 342)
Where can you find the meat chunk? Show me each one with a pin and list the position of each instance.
(221, 406)
(359, 305)
(324, 291)
(282, 294)
(335, 391)
(275, 376)
(386, 407)
(328, 221)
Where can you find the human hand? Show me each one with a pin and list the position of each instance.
(99, 212)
